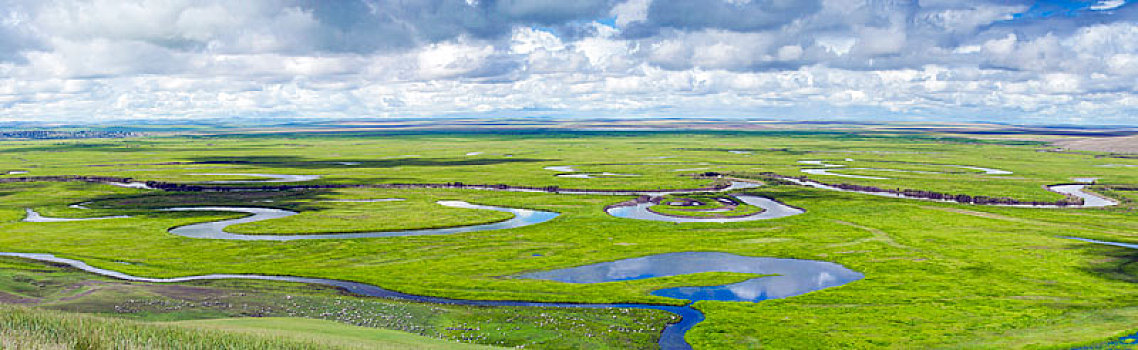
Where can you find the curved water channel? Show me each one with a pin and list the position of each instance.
(828, 169)
(561, 168)
(522, 217)
(594, 175)
(1090, 200)
(578, 174)
(33, 216)
(270, 178)
(216, 229)
(1095, 241)
(792, 277)
(772, 209)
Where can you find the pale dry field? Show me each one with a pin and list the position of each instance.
(1121, 144)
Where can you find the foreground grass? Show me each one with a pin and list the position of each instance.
(326, 333)
(26, 328)
(65, 289)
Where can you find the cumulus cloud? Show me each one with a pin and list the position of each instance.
(930, 59)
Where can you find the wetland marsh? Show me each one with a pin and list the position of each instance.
(881, 271)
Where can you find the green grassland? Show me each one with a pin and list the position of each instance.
(938, 275)
(331, 333)
(26, 328)
(415, 211)
(65, 289)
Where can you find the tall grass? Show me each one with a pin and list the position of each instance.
(27, 328)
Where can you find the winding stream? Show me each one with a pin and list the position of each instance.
(828, 169)
(786, 277)
(33, 216)
(987, 171)
(576, 174)
(1116, 244)
(374, 200)
(772, 209)
(594, 175)
(735, 185)
(561, 168)
(138, 185)
(852, 176)
(269, 177)
(794, 277)
(1090, 200)
(216, 229)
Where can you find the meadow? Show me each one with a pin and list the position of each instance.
(937, 275)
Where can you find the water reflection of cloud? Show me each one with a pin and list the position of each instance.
(825, 278)
(792, 276)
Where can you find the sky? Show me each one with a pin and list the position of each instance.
(1025, 62)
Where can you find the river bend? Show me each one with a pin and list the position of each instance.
(794, 277)
(216, 229)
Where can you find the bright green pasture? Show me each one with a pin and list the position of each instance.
(326, 332)
(937, 274)
(26, 328)
(415, 211)
(518, 159)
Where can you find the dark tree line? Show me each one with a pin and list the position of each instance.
(180, 187)
(65, 178)
(58, 135)
(184, 187)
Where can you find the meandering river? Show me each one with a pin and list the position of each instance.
(1090, 200)
(793, 277)
(1116, 244)
(772, 209)
(216, 229)
(785, 277)
(270, 178)
(828, 169)
(33, 216)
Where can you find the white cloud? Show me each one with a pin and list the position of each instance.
(71, 59)
(1107, 5)
(452, 59)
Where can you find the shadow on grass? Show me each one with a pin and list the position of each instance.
(153, 200)
(112, 147)
(294, 162)
(1122, 266)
